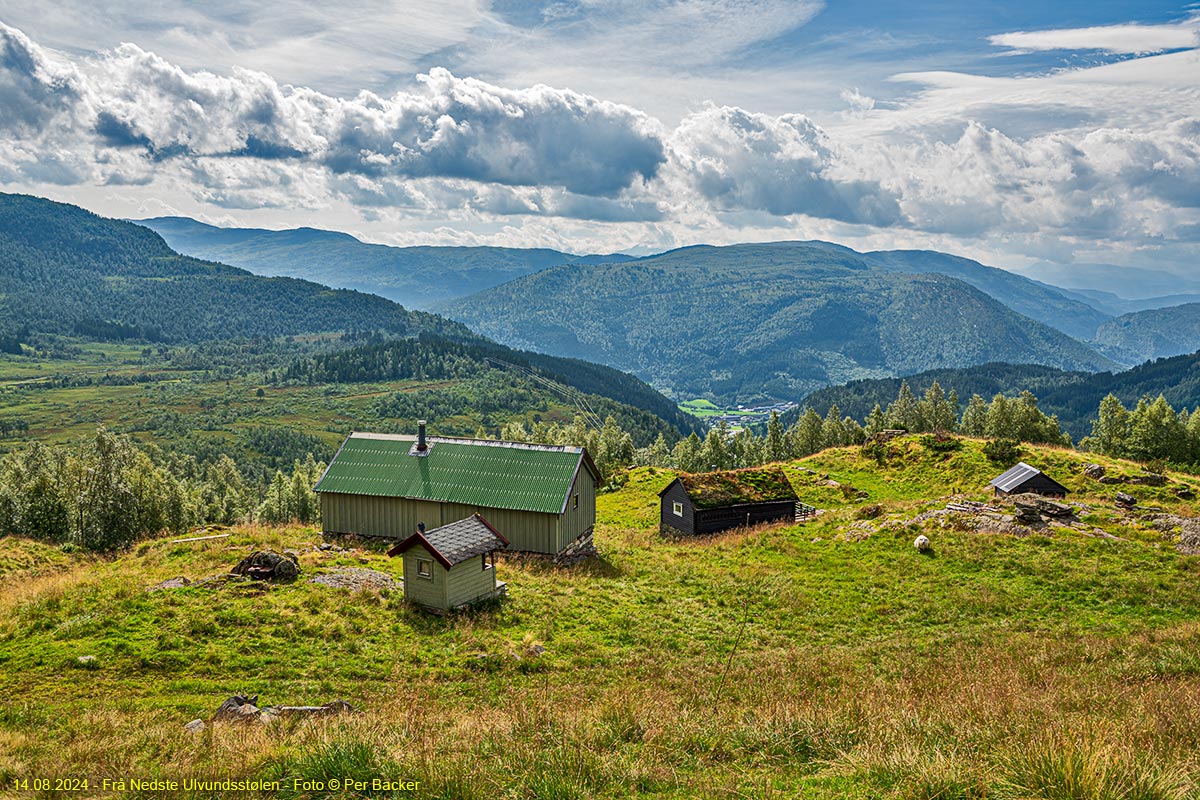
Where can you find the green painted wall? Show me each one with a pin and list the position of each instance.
(576, 521)
(460, 584)
(397, 518)
(426, 591)
(468, 581)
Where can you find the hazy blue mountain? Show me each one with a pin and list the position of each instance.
(418, 277)
(64, 270)
(1130, 283)
(1154, 333)
(775, 320)
(1047, 304)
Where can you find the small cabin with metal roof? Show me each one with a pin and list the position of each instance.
(448, 567)
(1024, 478)
(703, 503)
(382, 485)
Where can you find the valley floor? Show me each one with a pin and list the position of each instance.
(824, 660)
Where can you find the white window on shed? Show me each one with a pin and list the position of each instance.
(425, 568)
(677, 507)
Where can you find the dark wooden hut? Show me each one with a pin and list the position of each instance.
(709, 502)
(1024, 478)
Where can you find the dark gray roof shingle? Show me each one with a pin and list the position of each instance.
(457, 542)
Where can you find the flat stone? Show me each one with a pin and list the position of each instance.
(195, 726)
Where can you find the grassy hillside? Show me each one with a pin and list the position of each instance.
(417, 277)
(64, 270)
(1073, 396)
(753, 321)
(830, 660)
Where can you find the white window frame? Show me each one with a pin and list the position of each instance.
(677, 507)
(425, 568)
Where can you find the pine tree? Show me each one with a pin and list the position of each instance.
(875, 421)
(775, 446)
(903, 413)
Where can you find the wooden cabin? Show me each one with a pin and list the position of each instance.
(1024, 478)
(381, 485)
(448, 567)
(709, 502)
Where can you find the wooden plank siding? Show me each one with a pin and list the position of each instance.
(397, 518)
(469, 581)
(425, 591)
(668, 519)
(579, 518)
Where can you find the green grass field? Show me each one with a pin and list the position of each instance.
(787, 661)
(706, 409)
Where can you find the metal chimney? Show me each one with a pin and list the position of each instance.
(421, 448)
(420, 527)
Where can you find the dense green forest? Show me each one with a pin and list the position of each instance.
(430, 357)
(1153, 333)
(1073, 396)
(1049, 304)
(64, 270)
(750, 322)
(415, 276)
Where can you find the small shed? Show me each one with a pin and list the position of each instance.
(695, 504)
(1024, 478)
(449, 567)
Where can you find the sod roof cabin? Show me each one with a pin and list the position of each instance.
(1024, 478)
(543, 497)
(447, 567)
(709, 502)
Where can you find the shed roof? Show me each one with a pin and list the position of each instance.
(737, 487)
(473, 472)
(457, 542)
(1022, 472)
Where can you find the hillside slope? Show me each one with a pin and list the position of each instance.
(752, 321)
(1047, 304)
(785, 661)
(417, 277)
(66, 270)
(1154, 333)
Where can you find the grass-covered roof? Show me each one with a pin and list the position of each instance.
(737, 487)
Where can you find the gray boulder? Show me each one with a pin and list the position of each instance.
(922, 544)
(268, 565)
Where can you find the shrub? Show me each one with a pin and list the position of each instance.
(1003, 451)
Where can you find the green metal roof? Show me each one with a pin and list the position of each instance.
(468, 471)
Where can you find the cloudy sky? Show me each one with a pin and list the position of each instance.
(1012, 132)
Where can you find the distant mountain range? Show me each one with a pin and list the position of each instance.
(418, 277)
(66, 271)
(1074, 396)
(1129, 283)
(748, 322)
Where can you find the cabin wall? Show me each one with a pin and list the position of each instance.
(1038, 484)
(385, 517)
(712, 520)
(576, 521)
(397, 518)
(469, 581)
(668, 519)
(425, 591)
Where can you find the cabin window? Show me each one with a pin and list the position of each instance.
(425, 568)
(677, 507)
(577, 500)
